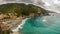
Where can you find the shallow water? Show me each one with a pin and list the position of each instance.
(36, 25)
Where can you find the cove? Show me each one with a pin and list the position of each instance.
(35, 25)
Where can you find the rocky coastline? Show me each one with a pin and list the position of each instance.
(11, 17)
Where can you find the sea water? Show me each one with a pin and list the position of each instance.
(36, 25)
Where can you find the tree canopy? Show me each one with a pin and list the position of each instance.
(20, 8)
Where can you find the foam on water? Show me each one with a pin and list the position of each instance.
(20, 26)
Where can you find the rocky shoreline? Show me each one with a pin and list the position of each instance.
(13, 16)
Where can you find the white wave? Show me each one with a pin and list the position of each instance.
(45, 19)
(20, 26)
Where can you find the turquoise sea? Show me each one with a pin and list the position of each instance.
(36, 25)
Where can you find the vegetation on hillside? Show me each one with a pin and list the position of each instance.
(20, 9)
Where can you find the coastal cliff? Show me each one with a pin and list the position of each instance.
(12, 14)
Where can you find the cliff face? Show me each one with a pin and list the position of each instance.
(14, 12)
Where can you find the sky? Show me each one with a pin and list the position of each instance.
(47, 2)
(52, 5)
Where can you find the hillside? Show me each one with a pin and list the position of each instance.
(20, 9)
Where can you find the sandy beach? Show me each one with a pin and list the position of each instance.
(15, 31)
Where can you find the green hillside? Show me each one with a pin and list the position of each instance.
(20, 9)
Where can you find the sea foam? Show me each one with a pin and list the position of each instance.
(20, 26)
